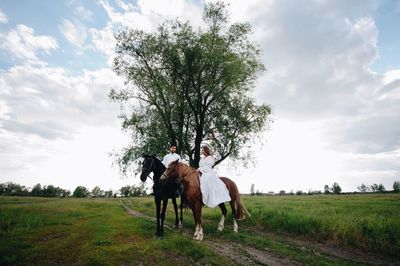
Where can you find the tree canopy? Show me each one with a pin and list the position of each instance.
(189, 86)
(81, 192)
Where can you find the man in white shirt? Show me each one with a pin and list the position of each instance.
(171, 156)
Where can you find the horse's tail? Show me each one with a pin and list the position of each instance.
(182, 194)
(184, 201)
(241, 211)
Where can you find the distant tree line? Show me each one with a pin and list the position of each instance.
(133, 191)
(334, 189)
(13, 189)
(378, 188)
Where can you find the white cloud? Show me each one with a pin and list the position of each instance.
(83, 13)
(81, 160)
(318, 60)
(44, 112)
(125, 6)
(146, 15)
(47, 101)
(3, 18)
(130, 18)
(4, 108)
(80, 10)
(24, 44)
(165, 8)
(326, 68)
(75, 33)
(326, 51)
(104, 40)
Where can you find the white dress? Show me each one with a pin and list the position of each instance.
(212, 188)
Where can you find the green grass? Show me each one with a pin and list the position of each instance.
(88, 232)
(42, 231)
(369, 222)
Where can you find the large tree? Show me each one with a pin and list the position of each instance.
(81, 192)
(190, 86)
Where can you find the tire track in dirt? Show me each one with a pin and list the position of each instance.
(141, 215)
(238, 254)
(330, 250)
(245, 255)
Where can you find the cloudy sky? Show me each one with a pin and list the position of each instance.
(333, 81)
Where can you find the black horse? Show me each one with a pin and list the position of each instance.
(162, 192)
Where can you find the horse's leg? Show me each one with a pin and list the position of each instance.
(181, 214)
(164, 208)
(157, 200)
(235, 225)
(200, 235)
(196, 231)
(223, 217)
(176, 211)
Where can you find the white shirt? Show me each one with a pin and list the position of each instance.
(170, 157)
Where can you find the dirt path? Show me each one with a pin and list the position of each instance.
(246, 255)
(238, 253)
(330, 250)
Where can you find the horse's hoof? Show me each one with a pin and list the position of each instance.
(220, 228)
(199, 238)
(180, 226)
(160, 237)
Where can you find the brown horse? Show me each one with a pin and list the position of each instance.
(191, 181)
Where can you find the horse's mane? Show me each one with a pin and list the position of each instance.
(190, 175)
(155, 158)
(152, 156)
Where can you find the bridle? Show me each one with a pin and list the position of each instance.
(151, 167)
(165, 177)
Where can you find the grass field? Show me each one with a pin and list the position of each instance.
(370, 222)
(45, 231)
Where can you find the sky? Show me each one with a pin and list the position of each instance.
(332, 79)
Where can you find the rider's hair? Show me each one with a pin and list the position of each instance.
(207, 150)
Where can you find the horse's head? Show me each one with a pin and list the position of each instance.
(171, 171)
(148, 166)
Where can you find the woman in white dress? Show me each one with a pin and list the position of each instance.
(212, 188)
